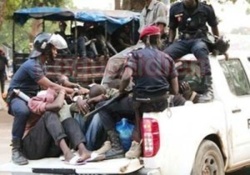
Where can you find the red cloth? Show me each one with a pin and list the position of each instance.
(150, 30)
(37, 104)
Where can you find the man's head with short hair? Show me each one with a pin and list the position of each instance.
(62, 25)
(61, 78)
(96, 90)
(161, 23)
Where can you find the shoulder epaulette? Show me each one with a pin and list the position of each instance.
(175, 3)
(206, 2)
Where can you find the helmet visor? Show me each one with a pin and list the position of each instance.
(58, 41)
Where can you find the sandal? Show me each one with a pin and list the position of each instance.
(76, 160)
(95, 157)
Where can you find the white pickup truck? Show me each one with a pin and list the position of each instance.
(198, 139)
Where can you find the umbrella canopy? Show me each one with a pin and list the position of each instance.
(46, 13)
(113, 19)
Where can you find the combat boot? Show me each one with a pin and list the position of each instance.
(116, 150)
(207, 89)
(134, 151)
(105, 147)
(17, 155)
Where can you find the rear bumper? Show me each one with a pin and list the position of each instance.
(56, 166)
(147, 171)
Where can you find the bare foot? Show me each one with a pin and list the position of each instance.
(85, 155)
(69, 155)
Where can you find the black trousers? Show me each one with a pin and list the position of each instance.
(111, 114)
(2, 80)
(42, 140)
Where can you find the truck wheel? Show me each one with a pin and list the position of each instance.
(208, 160)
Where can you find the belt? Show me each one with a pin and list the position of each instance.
(187, 36)
(151, 99)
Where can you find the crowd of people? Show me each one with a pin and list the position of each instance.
(87, 41)
(54, 118)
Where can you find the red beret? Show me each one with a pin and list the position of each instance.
(150, 30)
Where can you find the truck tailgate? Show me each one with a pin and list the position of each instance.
(56, 166)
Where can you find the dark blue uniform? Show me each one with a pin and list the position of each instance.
(152, 71)
(192, 28)
(25, 79)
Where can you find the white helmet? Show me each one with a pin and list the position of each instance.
(43, 42)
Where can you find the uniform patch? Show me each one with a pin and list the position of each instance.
(179, 17)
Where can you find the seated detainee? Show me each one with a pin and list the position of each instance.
(85, 48)
(121, 38)
(62, 31)
(92, 126)
(62, 28)
(45, 136)
(96, 32)
(109, 116)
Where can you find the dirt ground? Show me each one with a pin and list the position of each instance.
(5, 137)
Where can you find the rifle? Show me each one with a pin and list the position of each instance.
(109, 102)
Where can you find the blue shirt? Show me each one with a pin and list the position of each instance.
(27, 76)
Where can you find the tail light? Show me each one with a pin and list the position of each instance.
(151, 137)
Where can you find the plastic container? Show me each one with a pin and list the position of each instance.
(125, 130)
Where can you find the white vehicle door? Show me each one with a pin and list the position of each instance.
(239, 116)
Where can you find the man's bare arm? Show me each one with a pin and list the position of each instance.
(175, 86)
(215, 31)
(172, 34)
(126, 77)
(57, 104)
(46, 83)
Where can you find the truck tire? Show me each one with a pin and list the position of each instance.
(208, 160)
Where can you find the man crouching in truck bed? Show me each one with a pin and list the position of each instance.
(30, 78)
(151, 70)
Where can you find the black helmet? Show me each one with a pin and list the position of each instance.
(43, 42)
